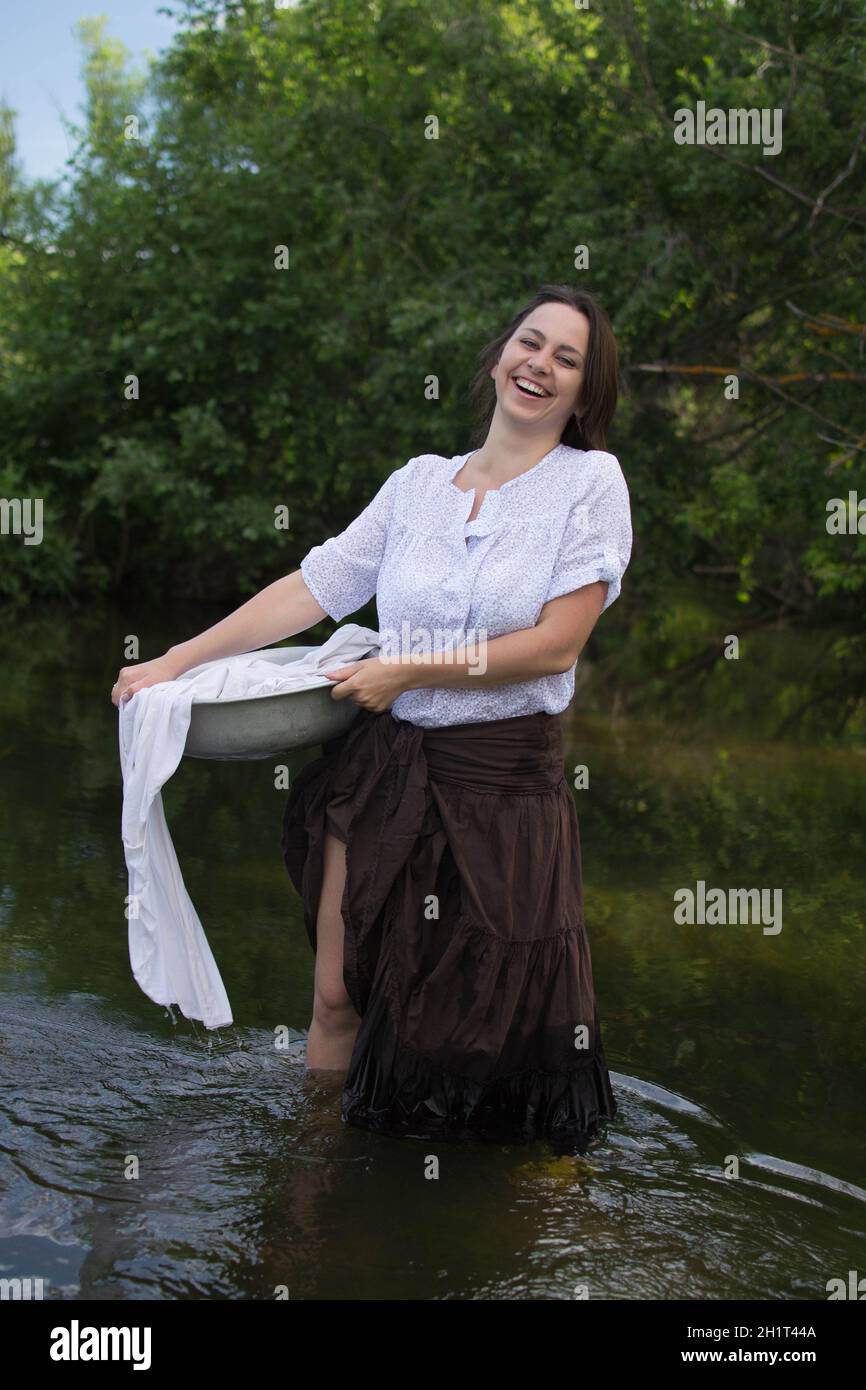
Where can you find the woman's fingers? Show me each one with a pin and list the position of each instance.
(119, 686)
(131, 679)
(123, 690)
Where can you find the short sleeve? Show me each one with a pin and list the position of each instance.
(342, 573)
(597, 540)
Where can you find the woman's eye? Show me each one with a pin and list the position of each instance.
(529, 343)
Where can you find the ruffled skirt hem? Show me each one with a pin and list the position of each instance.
(395, 1090)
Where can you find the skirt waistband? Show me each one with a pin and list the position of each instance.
(520, 754)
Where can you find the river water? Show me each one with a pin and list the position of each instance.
(143, 1157)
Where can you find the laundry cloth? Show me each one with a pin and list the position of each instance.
(168, 950)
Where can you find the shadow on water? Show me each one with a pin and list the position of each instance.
(141, 1157)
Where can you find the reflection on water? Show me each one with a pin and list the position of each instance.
(142, 1157)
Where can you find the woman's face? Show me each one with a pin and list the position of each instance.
(548, 350)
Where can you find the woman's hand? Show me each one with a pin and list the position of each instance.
(373, 683)
(133, 678)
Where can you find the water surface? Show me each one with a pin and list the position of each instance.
(727, 1046)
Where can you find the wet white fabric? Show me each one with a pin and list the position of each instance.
(443, 582)
(168, 950)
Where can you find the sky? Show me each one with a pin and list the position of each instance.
(40, 66)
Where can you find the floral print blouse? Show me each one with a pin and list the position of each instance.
(442, 582)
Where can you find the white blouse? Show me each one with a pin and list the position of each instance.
(442, 582)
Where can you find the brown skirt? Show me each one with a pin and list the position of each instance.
(465, 950)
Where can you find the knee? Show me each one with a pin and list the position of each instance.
(332, 1007)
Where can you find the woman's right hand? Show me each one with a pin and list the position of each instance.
(133, 678)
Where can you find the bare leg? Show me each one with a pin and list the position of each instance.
(335, 1023)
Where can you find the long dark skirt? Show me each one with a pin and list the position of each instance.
(465, 949)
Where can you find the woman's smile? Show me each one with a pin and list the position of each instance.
(531, 389)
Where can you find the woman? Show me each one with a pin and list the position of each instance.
(435, 845)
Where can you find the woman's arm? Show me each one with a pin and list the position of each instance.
(282, 609)
(551, 647)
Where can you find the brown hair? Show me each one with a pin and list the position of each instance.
(599, 388)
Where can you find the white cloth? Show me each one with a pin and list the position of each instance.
(443, 582)
(168, 950)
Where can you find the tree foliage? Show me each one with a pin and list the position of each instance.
(308, 127)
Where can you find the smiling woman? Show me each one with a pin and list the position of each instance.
(436, 845)
(562, 342)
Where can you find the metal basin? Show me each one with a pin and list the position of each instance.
(267, 725)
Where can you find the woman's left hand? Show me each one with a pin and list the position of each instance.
(373, 683)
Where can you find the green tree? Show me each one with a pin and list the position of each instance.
(311, 128)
